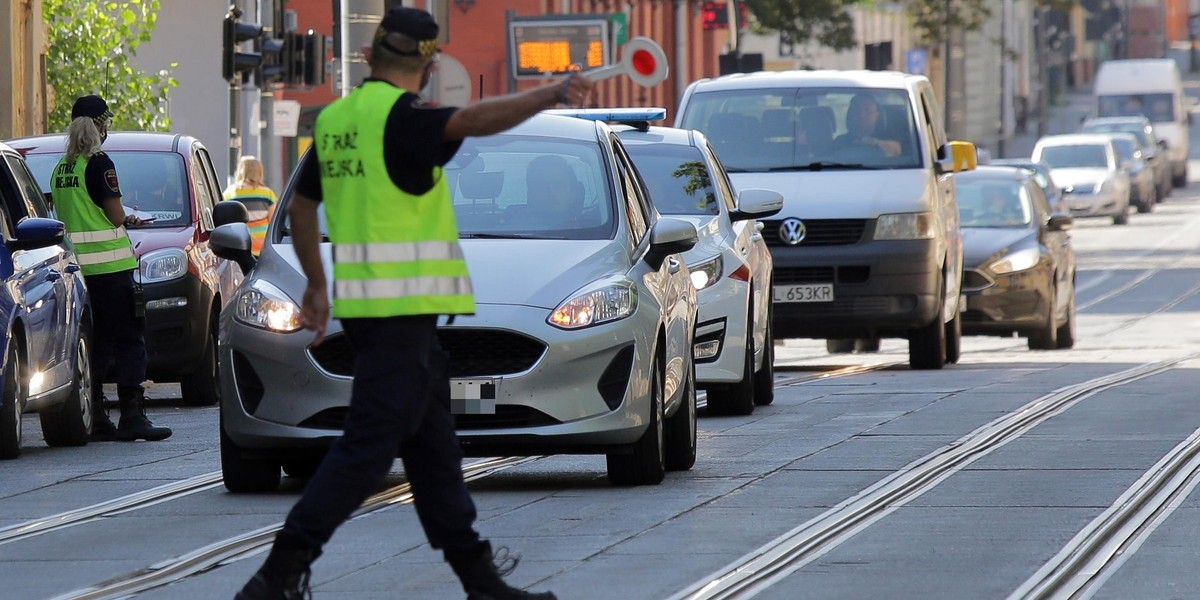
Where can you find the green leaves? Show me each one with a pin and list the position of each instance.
(828, 22)
(90, 44)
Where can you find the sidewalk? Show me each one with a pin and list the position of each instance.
(1065, 117)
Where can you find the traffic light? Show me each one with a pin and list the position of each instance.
(304, 59)
(274, 63)
(234, 32)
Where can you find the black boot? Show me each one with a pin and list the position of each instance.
(103, 429)
(134, 424)
(284, 576)
(480, 572)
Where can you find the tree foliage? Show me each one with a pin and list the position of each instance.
(827, 22)
(933, 20)
(91, 43)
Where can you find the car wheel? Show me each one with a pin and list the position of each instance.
(954, 339)
(302, 468)
(71, 423)
(12, 403)
(646, 464)
(1122, 218)
(764, 379)
(1046, 337)
(927, 344)
(1146, 202)
(200, 388)
(680, 429)
(1180, 179)
(736, 398)
(839, 346)
(245, 475)
(1066, 331)
(866, 345)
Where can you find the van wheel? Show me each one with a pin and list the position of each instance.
(927, 344)
(1180, 179)
(1121, 219)
(201, 387)
(244, 475)
(70, 424)
(868, 345)
(12, 403)
(646, 465)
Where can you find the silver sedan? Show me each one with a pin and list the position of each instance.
(581, 343)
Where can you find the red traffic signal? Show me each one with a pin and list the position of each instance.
(715, 15)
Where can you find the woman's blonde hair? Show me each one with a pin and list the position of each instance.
(83, 139)
(249, 172)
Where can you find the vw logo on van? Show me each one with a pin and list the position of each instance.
(792, 231)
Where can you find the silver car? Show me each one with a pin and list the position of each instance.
(1088, 169)
(731, 265)
(581, 343)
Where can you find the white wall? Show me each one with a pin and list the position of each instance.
(189, 33)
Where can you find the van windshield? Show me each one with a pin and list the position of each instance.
(808, 128)
(1159, 108)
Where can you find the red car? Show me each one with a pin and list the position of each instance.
(170, 178)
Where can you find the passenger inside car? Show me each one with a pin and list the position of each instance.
(555, 195)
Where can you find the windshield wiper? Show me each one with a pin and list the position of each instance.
(506, 236)
(821, 165)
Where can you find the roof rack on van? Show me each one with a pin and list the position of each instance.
(638, 118)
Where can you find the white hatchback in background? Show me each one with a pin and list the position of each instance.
(730, 264)
(1087, 168)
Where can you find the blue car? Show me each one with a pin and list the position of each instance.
(44, 313)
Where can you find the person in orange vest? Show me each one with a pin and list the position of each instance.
(249, 189)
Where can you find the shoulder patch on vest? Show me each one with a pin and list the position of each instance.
(110, 178)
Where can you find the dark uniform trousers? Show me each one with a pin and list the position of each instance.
(117, 332)
(400, 400)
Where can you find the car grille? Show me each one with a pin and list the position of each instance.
(506, 417)
(818, 232)
(801, 275)
(473, 352)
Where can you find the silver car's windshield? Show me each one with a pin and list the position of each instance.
(1134, 128)
(993, 203)
(151, 182)
(1076, 155)
(677, 177)
(516, 186)
(807, 128)
(1159, 108)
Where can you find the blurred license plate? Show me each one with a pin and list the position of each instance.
(473, 396)
(815, 292)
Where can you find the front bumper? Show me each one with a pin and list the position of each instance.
(177, 324)
(1104, 204)
(1006, 304)
(279, 398)
(880, 288)
(723, 318)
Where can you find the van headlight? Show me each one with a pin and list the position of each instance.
(603, 305)
(265, 306)
(707, 272)
(1020, 260)
(161, 265)
(905, 226)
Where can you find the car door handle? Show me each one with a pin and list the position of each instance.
(673, 265)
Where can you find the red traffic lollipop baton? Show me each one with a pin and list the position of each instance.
(642, 59)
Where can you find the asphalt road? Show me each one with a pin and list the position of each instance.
(887, 483)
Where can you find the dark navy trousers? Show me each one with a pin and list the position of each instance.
(400, 400)
(117, 333)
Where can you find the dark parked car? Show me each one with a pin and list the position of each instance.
(1019, 266)
(170, 178)
(45, 316)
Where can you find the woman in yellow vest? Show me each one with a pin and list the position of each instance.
(87, 198)
(249, 189)
(376, 165)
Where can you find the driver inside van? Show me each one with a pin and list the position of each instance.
(862, 121)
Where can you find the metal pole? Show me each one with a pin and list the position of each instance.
(947, 105)
(251, 110)
(681, 47)
(1005, 96)
(1043, 72)
(269, 144)
(511, 77)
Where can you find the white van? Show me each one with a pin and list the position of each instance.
(1148, 87)
(867, 244)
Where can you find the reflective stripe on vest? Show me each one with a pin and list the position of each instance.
(104, 235)
(394, 253)
(99, 247)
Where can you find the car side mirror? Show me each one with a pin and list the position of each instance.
(232, 242)
(230, 211)
(1060, 222)
(756, 204)
(669, 236)
(32, 233)
(956, 157)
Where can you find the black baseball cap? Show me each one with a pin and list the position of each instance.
(413, 23)
(91, 106)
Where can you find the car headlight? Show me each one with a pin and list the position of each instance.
(265, 306)
(707, 272)
(161, 265)
(609, 303)
(1017, 261)
(905, 226)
